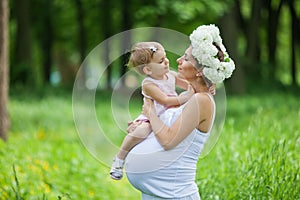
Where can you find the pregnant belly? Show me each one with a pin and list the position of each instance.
(149, 155)
(154, 171)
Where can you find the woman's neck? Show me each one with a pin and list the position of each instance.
(198, 86)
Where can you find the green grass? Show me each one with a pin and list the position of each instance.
(256, 157)
(49, 160)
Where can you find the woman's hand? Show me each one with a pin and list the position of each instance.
(212, 89)
(148, 107)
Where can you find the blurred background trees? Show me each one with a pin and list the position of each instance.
(50, 38)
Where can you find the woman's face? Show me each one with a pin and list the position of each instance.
(186, 65)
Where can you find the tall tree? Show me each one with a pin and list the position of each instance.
(106, 17)
(81, 35)
(229, 26)
(253, 50)
(4, 63)
(81, 29)
(295, 33)
(22, 62)
(126, 25)
(47, 40)
(272, 31)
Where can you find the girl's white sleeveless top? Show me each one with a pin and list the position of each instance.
(166, 174)
(166, 86)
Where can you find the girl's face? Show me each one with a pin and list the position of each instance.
(186, 65)
(159, 64)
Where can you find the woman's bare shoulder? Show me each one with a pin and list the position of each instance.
(203, 98)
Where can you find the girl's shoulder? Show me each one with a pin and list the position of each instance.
(148, 80)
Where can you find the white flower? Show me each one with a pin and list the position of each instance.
(213, 75)
(205, 52)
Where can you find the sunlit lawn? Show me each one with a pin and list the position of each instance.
(49, 159)
(256, 157)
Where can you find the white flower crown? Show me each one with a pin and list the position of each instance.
(205, 52)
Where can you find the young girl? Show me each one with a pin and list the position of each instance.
(149, 58)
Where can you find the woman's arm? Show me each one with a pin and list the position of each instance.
(150, 89)
(198, 109)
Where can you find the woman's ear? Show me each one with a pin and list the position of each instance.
(199, 74)
(147, 70)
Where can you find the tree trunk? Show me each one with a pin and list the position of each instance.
(4, 63)
(126, 25)
(229, 32)
(272, 30)
(22, 63)
(81, 29)
(47, 42)
(107, 29)
(293, 40)
(253, 50)
(81, 40)
(239, 17)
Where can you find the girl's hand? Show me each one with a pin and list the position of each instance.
(186, 95)
(132, 126)
(148, 107)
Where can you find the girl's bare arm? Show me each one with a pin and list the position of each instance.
(150, 89)
(180, 82)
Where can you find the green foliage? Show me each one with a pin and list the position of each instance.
(257, 154)
(188, 14)
(256, 157)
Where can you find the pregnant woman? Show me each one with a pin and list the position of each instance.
(163, 166)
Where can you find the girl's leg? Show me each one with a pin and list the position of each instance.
(133, 138)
